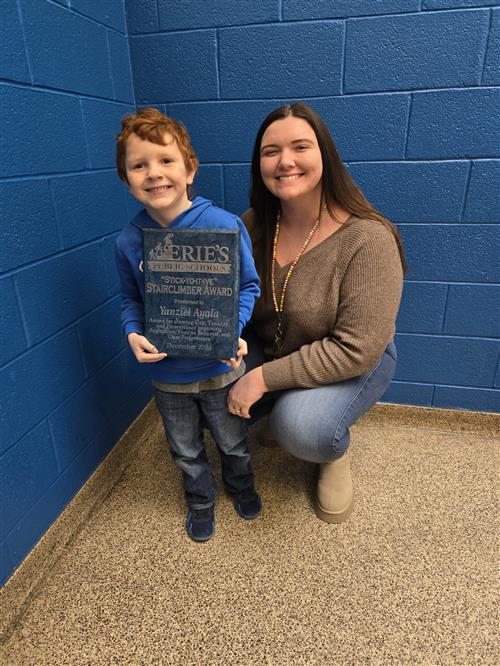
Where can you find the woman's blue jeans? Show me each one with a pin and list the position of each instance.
(313, 424)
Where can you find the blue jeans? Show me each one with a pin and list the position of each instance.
(313, 424)
(183, 416)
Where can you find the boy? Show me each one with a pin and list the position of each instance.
(157, 163)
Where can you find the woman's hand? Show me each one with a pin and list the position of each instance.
(242, 351)
(245, 392)
(143, 350)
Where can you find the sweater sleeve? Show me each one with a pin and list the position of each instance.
(132, 313)
(369, 296)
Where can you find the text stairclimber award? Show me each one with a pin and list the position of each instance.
(191, 291)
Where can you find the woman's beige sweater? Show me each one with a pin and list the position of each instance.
(340, 307)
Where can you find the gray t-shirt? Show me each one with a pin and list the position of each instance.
(210, 384)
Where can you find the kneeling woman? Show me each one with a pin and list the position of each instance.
(331, 268)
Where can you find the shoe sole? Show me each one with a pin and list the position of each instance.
(200, 540)
(247, 517)
(333, 517)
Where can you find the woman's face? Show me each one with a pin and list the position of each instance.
(290, 159)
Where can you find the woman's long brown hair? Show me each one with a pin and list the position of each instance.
(337, 185)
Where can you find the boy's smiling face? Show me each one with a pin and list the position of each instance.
(158, 177)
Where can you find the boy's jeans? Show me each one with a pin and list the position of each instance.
(182, 417)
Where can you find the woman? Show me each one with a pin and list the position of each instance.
(331, 271)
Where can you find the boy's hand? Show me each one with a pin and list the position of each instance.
(143, 350)
(242, 351)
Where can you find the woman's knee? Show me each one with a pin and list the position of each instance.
(307, 429)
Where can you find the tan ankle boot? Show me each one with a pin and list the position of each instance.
(334, 498)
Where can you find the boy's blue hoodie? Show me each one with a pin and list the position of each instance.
(202, 214)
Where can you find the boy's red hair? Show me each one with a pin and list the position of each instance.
(149, 124)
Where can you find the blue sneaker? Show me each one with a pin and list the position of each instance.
(200, 523)
(248, 504)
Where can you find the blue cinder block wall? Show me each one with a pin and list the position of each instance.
(68, 387)
(410, 91)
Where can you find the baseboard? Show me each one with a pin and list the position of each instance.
(433, 418)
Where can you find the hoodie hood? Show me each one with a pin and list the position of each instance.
(185, 220)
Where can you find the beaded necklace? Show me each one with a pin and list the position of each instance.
(278, 307)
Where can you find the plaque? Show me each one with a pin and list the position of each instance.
(191, 291)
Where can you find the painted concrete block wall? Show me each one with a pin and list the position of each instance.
(69, 387)
(410, 91)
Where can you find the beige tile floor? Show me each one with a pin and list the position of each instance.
(411, 578)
